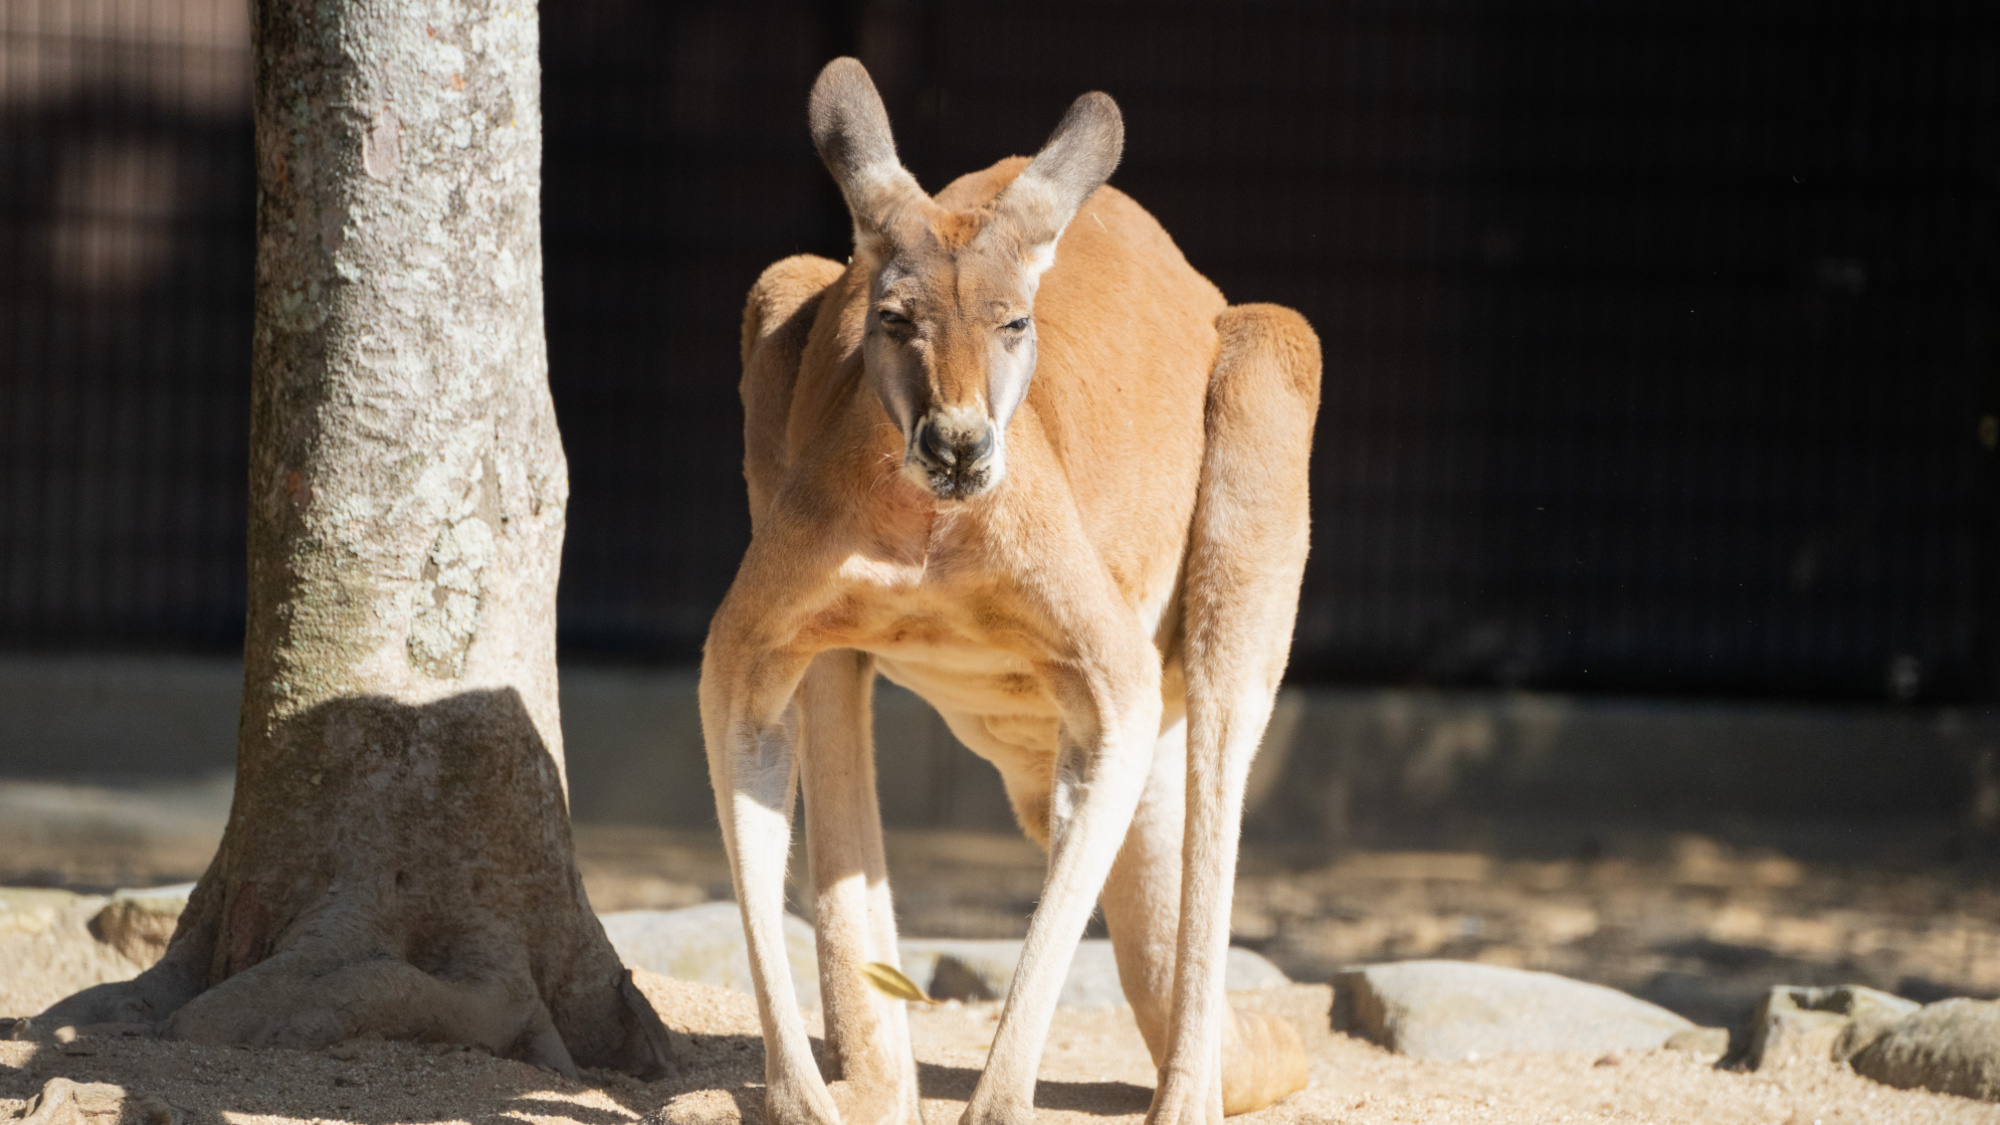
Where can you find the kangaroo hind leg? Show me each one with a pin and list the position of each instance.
(853, 916)
(1246, 557)
(1262, 1059)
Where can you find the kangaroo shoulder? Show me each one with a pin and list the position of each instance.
(785, 298)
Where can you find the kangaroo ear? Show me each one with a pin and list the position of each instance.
(1076, 160)
(851, 130)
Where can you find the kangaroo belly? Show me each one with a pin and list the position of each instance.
(993, 702)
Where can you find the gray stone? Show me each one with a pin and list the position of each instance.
(705, 943)
(33, 910)
(1788, 1035)
(139, 922)
(1709, 1042)
(63, 1102)
(1245, 970)
(702, 943)
(173, 896)
(1820, 1023)
(1455, 1010)
(51, 946)
(1871, 1013)
(1952, 1046)
(965, 969)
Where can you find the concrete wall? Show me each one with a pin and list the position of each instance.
(1339, 766)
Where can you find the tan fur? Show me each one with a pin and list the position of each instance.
(1106, 624)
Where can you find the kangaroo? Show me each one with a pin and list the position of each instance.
(1019, 457)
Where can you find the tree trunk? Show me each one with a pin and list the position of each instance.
(398, 858)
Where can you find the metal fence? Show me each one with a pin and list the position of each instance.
(125, 269)
(1660, 337)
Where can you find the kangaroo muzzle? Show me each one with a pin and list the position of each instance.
(956, 457)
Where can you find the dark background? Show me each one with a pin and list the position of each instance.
(1659, 336)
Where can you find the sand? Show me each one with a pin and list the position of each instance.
(1700, 926)
(1095, 1071)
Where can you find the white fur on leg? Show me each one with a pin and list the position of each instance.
(1097, 807)
(757, 827)
(1142, 897)
(852, 913)
(1221, 743)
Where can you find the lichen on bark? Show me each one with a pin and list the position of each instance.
(398, 856)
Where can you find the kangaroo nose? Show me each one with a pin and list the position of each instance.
(936, 447)
(957, 446)
(982, 446)
(957, 454)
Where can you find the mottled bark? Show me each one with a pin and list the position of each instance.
(398, 859)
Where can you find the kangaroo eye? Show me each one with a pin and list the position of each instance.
(1020, 325)
(891, 317)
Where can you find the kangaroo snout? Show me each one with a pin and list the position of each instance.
(954, 446)
(956, 457)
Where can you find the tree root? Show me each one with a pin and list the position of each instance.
(289, 1001)
(306, 1004)
(145, 1000)
(341, 970)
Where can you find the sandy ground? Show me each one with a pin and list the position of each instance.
(1690, 922)
(1699, 924)
(1095, 1070)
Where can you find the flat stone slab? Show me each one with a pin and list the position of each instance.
(1952, 1046)
(699, 943)
(967, 969)
(1706, 1042)
(705, 943)
(1821, 1023)
(1459, 1010)
(52, 945)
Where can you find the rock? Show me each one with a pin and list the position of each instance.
(960, 969)
(153, 1110)
(55, 1105)
(173, 893)
(1952, 1046)
(139, 923)
(1092, 981)
(954, 969)
(1708, 1042)
(705, 943)
(48, 952)
(1820, 1023)
(1245, 970)
(1872, 1013)
(1789, 1034)
(33, 910)
(63, 1102)
(1453, 1010)
(54, 944)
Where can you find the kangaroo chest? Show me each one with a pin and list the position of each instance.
(970, 645)
(963, 642)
